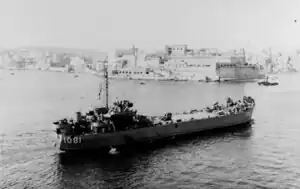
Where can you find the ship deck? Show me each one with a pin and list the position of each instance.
(197, 115)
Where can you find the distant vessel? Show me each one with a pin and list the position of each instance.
(119, 125)
(238, 69)
(268, 81)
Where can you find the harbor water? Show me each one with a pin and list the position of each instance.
(265, 155)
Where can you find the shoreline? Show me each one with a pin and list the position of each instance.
(97, 74)
(201, 79)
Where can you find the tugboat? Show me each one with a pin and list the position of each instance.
(267, 82)
(120, 125)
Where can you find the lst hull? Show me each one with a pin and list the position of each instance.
(106, 140)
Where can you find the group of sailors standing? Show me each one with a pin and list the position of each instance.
(232, 107)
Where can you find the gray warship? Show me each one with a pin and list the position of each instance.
(120, 125)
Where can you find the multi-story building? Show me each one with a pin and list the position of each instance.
(237, 68)
(176, 50)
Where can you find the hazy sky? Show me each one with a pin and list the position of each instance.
(150, 23)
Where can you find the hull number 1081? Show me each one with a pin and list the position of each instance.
(72, 140)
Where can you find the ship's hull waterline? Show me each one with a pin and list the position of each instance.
(148, 134)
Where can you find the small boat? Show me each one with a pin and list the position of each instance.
(76, 76)
(142, 83)
(210, 80)
(268, 82)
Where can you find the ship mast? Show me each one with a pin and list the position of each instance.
(106, 79)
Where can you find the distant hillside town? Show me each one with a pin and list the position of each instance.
(64, 61)
(174, 57)
(50, 60)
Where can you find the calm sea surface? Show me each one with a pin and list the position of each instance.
(266, 155)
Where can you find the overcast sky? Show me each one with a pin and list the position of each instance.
(150, 23)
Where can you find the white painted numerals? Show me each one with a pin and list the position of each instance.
(74, 140)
